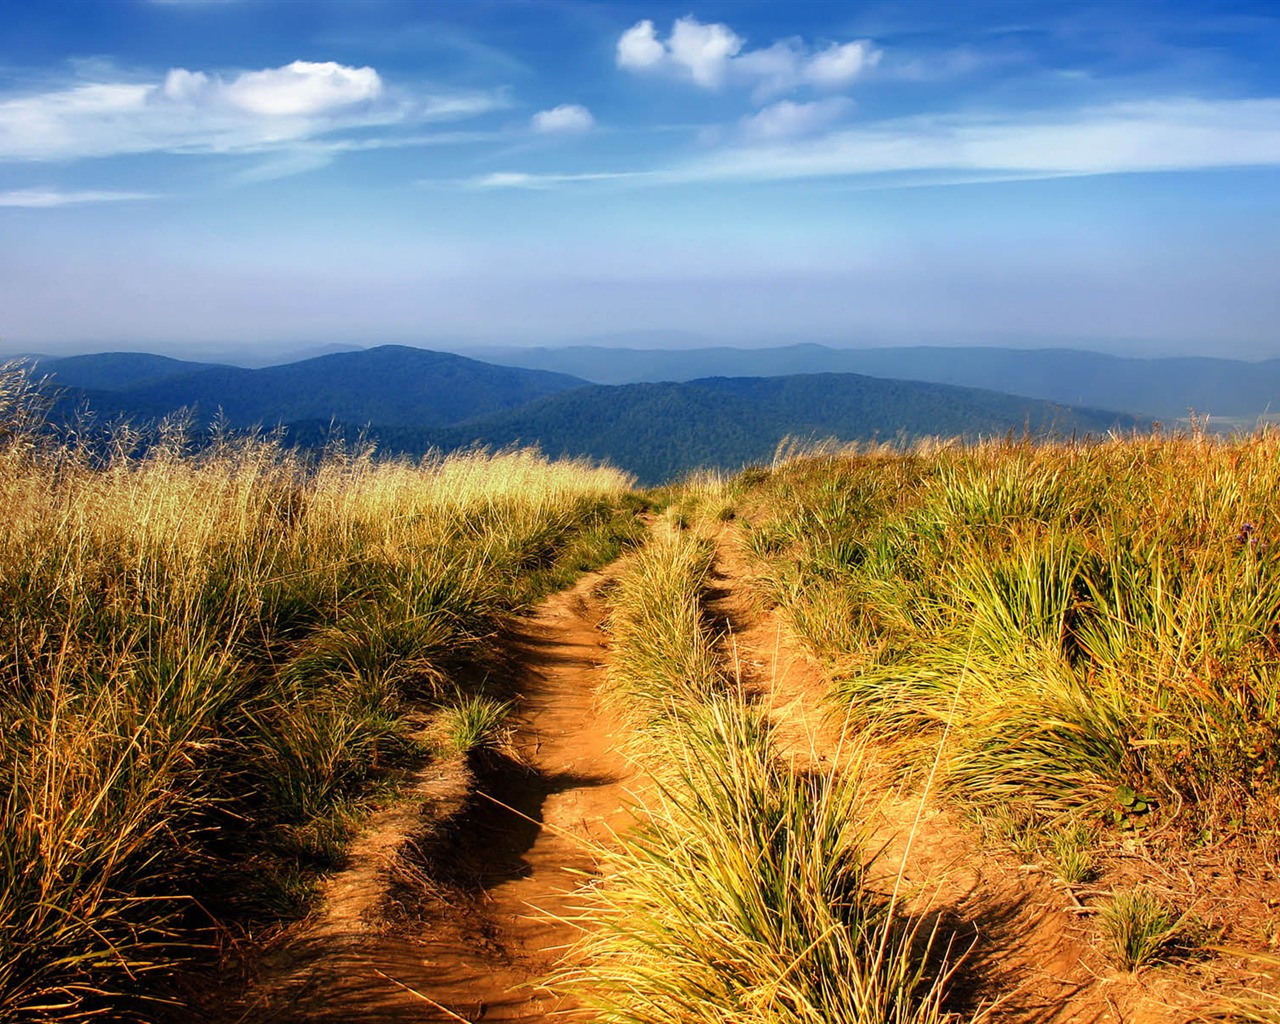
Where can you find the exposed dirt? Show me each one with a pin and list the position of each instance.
(1029, 945)
(459, 899)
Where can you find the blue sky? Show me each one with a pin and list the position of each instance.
(197, 176)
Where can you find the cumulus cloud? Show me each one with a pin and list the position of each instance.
(188, 111)
(703, 50)
(840, 63)
(788, 120)
(41, 198)
(638, 46)
(566, 118)
(712, 54)
(302, 88)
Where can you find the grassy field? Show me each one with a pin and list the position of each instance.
(217, 655)
(213, 659)
(1090, 635)
(1097, 624)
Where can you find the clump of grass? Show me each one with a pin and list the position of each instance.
(474, 723)
(703, 499)
(1014, 826)
(744, 896)
(664, 656)
(1138, 928)
(1073, 857)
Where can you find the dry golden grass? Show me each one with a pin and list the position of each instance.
(208, 656)
(1115, 605)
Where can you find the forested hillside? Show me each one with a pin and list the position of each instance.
(392, 385)
(659, 431)
(1164, 388)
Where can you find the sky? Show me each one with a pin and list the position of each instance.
(209, 176)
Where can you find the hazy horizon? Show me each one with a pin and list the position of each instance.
(254, 356)
(253, 179)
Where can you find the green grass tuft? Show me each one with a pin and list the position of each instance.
(1138, 928)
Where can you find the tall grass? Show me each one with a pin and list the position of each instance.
(745, 893)
(210, 656)
(1115, 606)
(664, 659)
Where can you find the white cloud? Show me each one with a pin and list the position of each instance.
(511, 179)
(787, 119)
(568, 117)
(703, 50)
(712, 54)
(841, 63)
(519, 179)
(1147, 137)
(303, 88)
(269, 110)
(638, 46)
(41, 198)
(1170, 135)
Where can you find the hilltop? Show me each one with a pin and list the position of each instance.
(392, 385)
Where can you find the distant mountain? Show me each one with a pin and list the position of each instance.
(393, 386)
(112, 371)
(411, 400)
(259, 358)
(659, 431)
(1164, 388)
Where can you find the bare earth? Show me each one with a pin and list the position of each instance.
(470, 938)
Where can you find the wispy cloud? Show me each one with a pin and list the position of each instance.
(268, 110)
(788, 120)
(312, 154)
(1152, 136)
(566, 118)
(519, 179)
(40, 198)
(711, 55)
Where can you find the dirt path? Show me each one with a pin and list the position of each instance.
(1030, 945)
(454, 905)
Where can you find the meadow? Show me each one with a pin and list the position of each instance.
(1078, 643)
(219, 654)
(1094, 624)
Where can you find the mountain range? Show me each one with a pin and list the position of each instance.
(411, 400)
(1165, 388)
